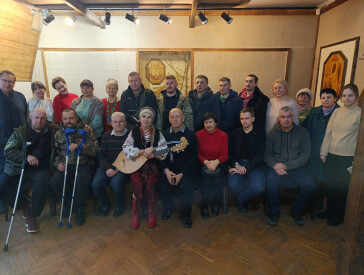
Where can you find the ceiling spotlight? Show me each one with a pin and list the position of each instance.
(48, 19)
(165, 18)
(202, 17)
(226, 17)
(132, 18)
(107, 19)
(70, 20)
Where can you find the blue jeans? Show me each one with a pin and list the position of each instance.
(240, 184)
(117, 184)
(301, 177)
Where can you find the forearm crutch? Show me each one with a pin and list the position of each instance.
(25, 144)
(79, 147)
(67, 132)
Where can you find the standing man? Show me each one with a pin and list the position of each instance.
(64, 98)
(231, 105)
(254, 98)
(39, 155)
(136, 97)
(13, 112)
(287, 151)
(171, 98)
(86, 164)
(178, 169)
(203, 101)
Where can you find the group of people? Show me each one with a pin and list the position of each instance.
(177, 144)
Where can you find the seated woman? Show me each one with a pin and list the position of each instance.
(111, 102)
(89, 108)
(280, 99)
(316, 123)
(337, 153)
(144, 139)
(304, 97)
(246, 155)
(38, 100)
(212, 151)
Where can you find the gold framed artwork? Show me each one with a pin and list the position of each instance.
(337, 64)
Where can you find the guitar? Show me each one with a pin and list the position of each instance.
(128, 166)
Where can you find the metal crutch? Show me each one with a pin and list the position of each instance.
(79, 147)
(67, 132)
(25, 144)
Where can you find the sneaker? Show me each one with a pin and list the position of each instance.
(273, 219)
(31, 224)
(80, 217)
(26, 210)
(297, 217)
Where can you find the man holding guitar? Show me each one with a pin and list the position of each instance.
(178, 168)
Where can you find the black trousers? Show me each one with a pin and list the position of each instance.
(83, 183)
(184, 190)
(211, 189)
(35, 177)
(337, 184)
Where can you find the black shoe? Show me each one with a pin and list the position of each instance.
(334, 221)
(242, 206)
(205, 213)
(297, 217)
(104, 211)
(118, 211)
(215, 210)
(2, 208)
(323, 215)
(166, 215)
(273, 219)
(80, 217)
(187, 222)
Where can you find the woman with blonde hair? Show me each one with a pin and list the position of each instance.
(280, 99)
(111, 102)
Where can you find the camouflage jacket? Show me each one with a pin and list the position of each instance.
(89, 149)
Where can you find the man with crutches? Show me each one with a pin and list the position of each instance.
(38, 155)
(74, 128)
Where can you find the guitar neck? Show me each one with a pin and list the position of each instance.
(161, 152)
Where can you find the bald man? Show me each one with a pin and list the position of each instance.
(178, 168)
(39, 134)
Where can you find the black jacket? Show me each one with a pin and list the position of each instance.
(230, 112)
(259, 105)
(131, 105)
(256, 148)
(209, 102)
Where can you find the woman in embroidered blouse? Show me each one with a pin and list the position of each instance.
(111, 103)
(337, 153)
(212, 151)
(145, 139)
(38, 100)
(90, 108)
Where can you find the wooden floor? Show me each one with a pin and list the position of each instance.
(228, 244)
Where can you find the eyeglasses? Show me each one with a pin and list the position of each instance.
(8, 81)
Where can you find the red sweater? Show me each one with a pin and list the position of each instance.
(212, 146)
(107, 117)
(61, 102)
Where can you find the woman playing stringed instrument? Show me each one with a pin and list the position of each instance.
(145, 139)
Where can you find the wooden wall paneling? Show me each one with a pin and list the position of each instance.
(314, 59)
(45, 72)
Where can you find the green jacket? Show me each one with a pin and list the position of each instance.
(14, 151)
(89, 150)
(183, 104)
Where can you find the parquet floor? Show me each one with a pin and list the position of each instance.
(228, 244)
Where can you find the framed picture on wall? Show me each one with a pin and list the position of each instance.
(337, 63)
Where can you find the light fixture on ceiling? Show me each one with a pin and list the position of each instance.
(48, 19)
(70, 20)
(226, 17)
(132, 18)
(202, 17)
(107, 19)
(165, 18)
